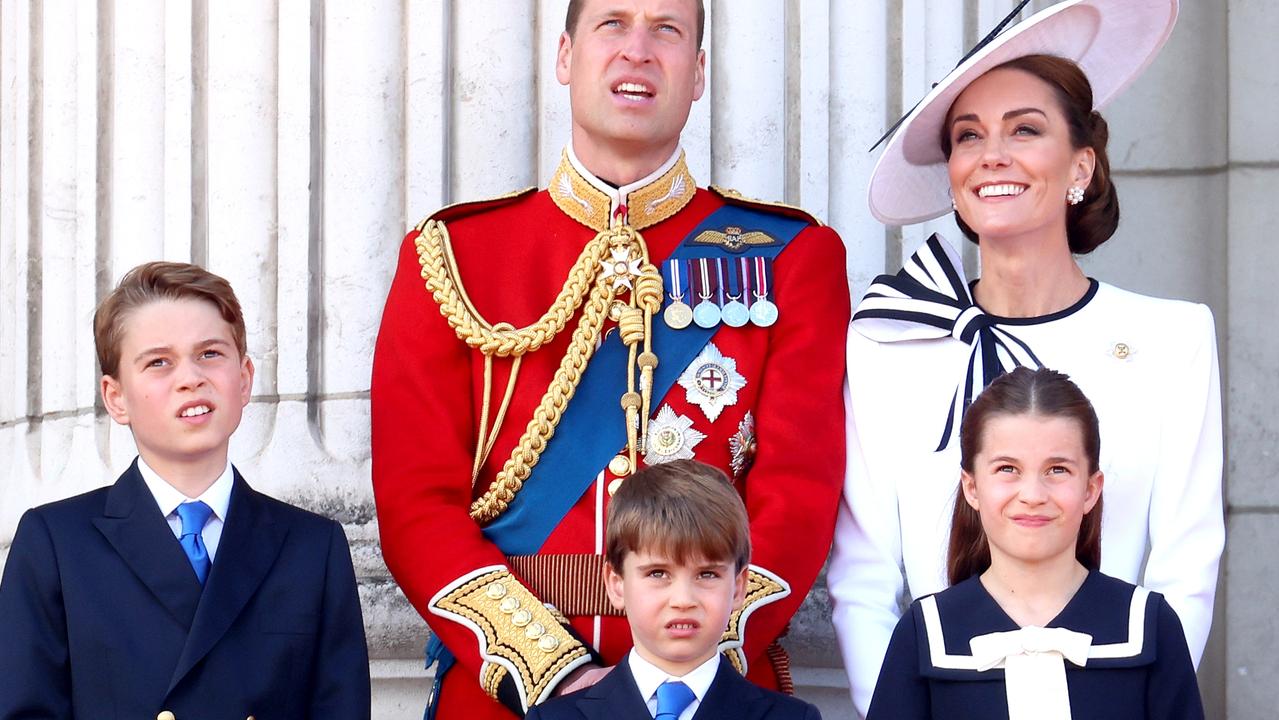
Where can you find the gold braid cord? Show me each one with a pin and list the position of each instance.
(439, 270)
(614, 261)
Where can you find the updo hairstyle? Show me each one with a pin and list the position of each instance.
(1093, 221)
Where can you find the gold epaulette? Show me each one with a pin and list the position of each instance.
(470, 207)
(732, 197)
(762, 588)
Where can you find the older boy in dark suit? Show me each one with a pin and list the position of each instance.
(678, 546)
(178, 592)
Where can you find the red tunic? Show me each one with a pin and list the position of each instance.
(427, 394)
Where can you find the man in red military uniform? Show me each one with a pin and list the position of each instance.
(537, 348)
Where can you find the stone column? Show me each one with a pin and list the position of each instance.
(1252, 570)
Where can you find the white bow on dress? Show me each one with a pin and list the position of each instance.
(1033, 660)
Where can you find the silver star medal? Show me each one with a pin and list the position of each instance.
(711, 381)
(621, 267)
(670, 437)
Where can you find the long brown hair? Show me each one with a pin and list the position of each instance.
(1043, 393)
(1093, 221)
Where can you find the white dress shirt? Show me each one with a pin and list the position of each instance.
(648, 677)
(217, 497)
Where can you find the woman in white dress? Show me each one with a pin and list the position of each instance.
(1012, 143)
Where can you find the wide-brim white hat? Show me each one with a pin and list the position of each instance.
(1113, 41)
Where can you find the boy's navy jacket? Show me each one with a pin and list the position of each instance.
(617, 697)
(102, 616)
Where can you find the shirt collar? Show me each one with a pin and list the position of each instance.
(648, 201)
(648, 676)
(217, 497)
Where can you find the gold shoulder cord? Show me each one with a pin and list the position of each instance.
(613, 262)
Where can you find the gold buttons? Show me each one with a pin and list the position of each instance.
(521, 618)
(548, 643)
(495, 591)
(509, 605)
(166, 715)
(620, 465)
(1122, 351)
(534, 631)
(613, 486)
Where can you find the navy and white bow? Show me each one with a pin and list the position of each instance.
(929, 299)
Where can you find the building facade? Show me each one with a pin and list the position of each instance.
(287, 146)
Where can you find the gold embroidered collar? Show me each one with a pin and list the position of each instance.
(592, 202)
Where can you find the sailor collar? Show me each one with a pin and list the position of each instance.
(640, 204)
(1120, 618)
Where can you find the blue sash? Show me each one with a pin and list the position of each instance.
(592, 428)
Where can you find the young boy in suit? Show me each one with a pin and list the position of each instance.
(178, 593)
(677, 546)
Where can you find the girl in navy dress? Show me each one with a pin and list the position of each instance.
(1029, 627)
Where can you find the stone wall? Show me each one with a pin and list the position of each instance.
(287, 145)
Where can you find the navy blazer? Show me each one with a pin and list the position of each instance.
(102, 616)
(730, 696)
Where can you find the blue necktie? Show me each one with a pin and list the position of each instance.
(672, 698)
(194, 515)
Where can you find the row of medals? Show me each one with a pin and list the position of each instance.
(678, 315)
(707, 314)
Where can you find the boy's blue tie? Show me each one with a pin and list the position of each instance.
(194, 515)
(672, 698)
